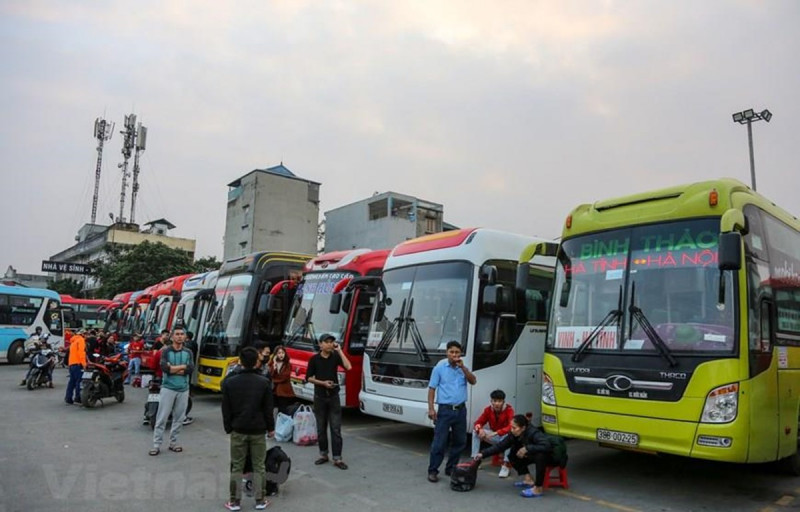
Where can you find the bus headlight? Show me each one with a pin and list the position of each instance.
(722, 404)
(548, 392)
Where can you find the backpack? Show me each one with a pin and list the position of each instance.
(278, 465)
(559, 449)
(464, 476)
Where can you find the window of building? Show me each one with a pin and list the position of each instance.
(378, 209)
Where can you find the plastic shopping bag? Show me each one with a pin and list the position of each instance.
(305, 427)
(284, 425)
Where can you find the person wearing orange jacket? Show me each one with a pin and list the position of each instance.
(77, 362)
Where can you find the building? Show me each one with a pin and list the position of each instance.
(94, 239)
(381, 222)
(14, 278)
(271, 209)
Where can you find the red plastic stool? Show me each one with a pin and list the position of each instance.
(558, 480)
(497, 460)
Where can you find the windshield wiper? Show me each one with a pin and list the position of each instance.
(612, 316)
(306, 327)
(416, 337)
(649, 330)
(395, 327)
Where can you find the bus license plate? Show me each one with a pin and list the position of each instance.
(153, 397)
(394, 409)
(616, 437)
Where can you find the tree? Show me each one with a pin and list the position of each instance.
(206, 264)
(67, 286)
(130, 268)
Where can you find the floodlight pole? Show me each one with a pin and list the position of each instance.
(752, 158)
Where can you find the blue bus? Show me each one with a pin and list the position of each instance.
(22, 310)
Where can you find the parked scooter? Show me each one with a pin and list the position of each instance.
(43, 360)
(102, 378)
(153, 400)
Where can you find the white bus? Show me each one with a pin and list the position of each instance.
(457, 285)
(22, 310)
(197, 303)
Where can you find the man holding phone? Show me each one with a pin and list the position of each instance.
(448, 385)
(322, 372)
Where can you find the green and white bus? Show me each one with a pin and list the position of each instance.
(675, 325)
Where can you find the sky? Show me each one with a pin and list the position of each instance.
(509, 113)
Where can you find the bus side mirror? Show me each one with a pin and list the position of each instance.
(180, 311)
(380, 311)
(729, 252)
(152, 305)
(336, 304)
(195, 308)
(523, 271)
(489, 274)
(347, 299)
(496, 299)
(264, 306)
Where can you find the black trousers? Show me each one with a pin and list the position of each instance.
(328, 412)
(542, 460)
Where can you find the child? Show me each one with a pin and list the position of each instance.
(497, 417)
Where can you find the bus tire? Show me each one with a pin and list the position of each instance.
(16, 352)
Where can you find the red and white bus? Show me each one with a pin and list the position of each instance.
(86, 313)
(113, 312)
(311, 316)
(164, 298)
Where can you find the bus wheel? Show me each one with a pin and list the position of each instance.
(791, 464)
(16, 352)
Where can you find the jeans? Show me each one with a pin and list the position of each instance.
(328, 411)
(450, 425)
(476, 444)
(134, 368)
(74, 385)
(174, 403)
(242, 445)
(541, 460)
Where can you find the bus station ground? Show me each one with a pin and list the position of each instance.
(59, 457)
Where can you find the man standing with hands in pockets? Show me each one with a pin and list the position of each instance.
(322, 372)
(448, 385)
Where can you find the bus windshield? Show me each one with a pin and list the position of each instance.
(310, 317)
(429, 307)
(645, 288)
(226, 327)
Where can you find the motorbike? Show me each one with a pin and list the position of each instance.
(41, 367)
(153, 401)
(103, 377)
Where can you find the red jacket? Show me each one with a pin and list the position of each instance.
(499, 423)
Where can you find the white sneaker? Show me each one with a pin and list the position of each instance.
(503, 472)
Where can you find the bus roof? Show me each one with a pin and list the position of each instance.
(259, 261)
(476, 245)
(169, 286)
(690, 200)
(29, 292)
(69, 299)
(361, 261)
(206, 280)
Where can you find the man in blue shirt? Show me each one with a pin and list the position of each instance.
(448, 385)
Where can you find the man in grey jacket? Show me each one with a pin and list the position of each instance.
(177, 366)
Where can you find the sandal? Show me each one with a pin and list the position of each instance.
(340, 464)
(528, 493)
(176, 449)
(154, 451)
(321, 460)
(523, 484)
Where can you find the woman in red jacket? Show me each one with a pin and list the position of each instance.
(493, 425)
(280, 370)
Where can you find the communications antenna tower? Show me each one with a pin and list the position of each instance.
(103, 130)
(141, 140)
(127, 147)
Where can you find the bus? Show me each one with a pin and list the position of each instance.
(457, 285)
(242, 315)
(113, 313)
(196, 306)
(310, 316)
(86, 313)
(163, 301)
(22, 310)
(676, 325)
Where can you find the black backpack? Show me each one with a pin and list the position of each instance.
(278, 465)
(464, 476)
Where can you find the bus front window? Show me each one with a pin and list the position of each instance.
(662, 276)
(310, 317)
(225, 329)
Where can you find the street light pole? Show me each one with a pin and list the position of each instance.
(747, 117)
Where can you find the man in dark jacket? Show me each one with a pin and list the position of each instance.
(247, 417)
(528, 445)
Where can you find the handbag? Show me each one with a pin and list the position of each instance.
(305, 427)
(284, 426)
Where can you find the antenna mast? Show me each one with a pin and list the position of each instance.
(127, 146)
(141, 140)
(103, 130)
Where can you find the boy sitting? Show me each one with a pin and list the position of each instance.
(493, 425)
